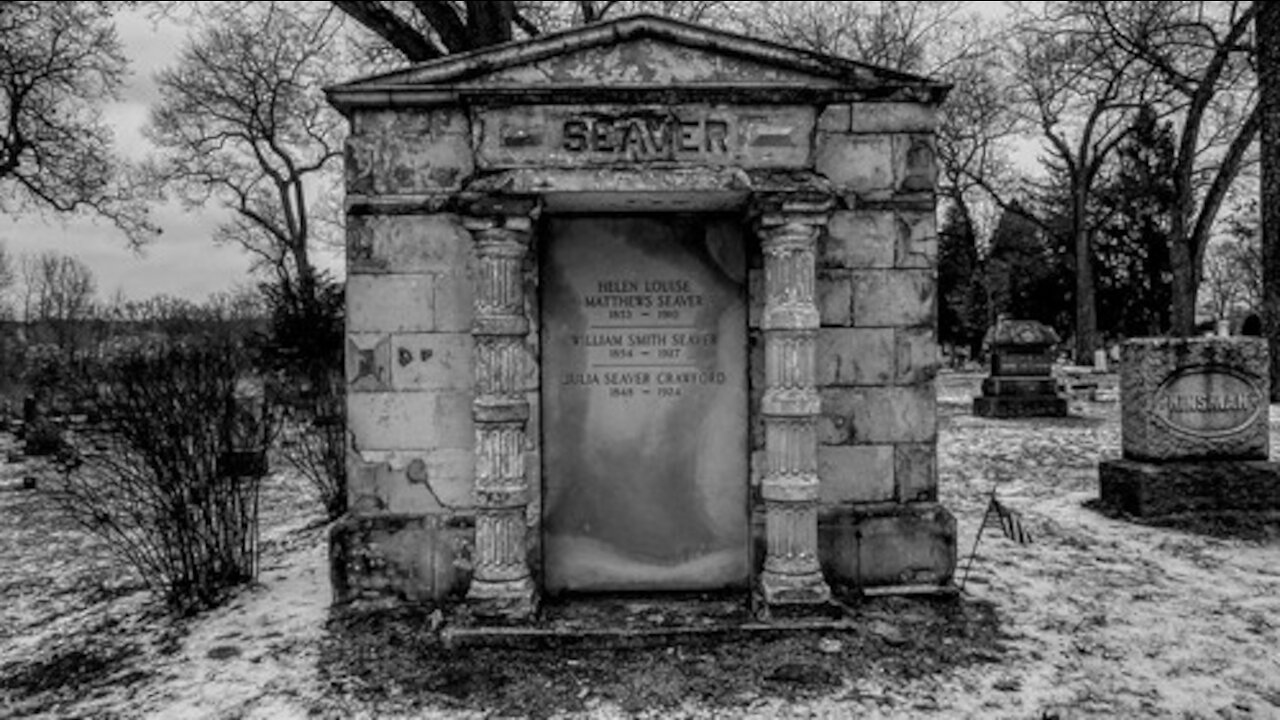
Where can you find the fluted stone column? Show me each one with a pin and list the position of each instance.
(502, 584)
(790, 410)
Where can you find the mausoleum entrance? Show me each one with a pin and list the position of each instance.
(644, 413)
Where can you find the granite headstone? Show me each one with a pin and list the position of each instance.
(1194, 428)
(1021, 383)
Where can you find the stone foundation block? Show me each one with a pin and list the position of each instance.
(1020, 407)
(1194, 398)
(399, 558)
(910, 544)
(1149, 489)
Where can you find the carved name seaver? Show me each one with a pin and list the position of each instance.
(646, 137)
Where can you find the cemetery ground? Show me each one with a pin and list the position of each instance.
(1098, 617)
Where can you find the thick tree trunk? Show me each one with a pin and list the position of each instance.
(1267, 32)
(1182, 264)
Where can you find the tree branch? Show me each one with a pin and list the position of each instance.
(390, 27)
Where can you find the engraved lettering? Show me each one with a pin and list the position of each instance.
(575, 135)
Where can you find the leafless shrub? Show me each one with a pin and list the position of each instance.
(315, 444)
(170, 478)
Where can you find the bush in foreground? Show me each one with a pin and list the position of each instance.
(170, 478)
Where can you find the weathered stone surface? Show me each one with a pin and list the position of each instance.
(915, 163)
(1187, 398)
(403, 481)
(411, 122)
(878, 415)
(855, 356)
(912, 544)
(432, 361)
(835, 297)
(368, 362)
(407, 244)
(397, 558)
(857, 239)
(413, 153)
(834, 118)
(892, 117)
(699, 135)
(860, 164)
(916, 472)
(410, 420)
(917, 239)
(893, 298)
(1147, 489)
(855, 473)
(1019, 385)
(1012, 406)
(410, 303)
(916, 355)
(645, 61)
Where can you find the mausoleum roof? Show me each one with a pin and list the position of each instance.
(636, 59)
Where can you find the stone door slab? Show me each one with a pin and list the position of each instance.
(644, 420)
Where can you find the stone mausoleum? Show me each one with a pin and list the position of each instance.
(641, 306)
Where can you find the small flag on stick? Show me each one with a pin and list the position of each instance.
(1010, 521)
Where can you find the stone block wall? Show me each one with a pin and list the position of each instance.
(877, 351)
(410, 298)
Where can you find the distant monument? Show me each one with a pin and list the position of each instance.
(1194, 430)
(1021, 383)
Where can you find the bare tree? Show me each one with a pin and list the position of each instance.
(242, 120)
(7, 280)
(59, 63)
(58, 297)
(1202, 52)
(1232, 277)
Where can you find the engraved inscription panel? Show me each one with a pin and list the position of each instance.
(1209, 401)
(644, 404)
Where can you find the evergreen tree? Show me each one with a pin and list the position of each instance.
(1135, 281)
(1029, 271)
(962, 287)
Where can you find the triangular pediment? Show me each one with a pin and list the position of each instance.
(642, 52)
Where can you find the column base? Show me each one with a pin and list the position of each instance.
(779, 589)
(505, 600)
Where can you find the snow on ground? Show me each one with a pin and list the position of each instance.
(1105, 618)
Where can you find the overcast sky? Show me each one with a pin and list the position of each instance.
(183, 261)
